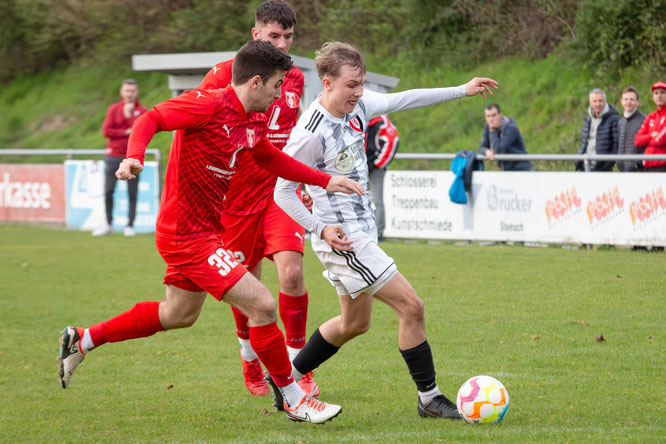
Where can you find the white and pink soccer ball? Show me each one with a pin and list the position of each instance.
(483, 400)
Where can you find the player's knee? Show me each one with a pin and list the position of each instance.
(291, 276)
(357, 328)
(183, 319)
(415, 309)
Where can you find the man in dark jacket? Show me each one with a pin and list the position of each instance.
(627, 127)
(599, 131)
(502, 136)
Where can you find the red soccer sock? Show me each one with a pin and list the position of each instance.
(140, 321)
(242, 330)
(294, 315)
(268, 343)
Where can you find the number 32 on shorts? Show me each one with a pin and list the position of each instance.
(223, 260)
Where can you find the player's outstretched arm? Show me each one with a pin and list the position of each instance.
(336, 238)
(480, 85)
(378, 103)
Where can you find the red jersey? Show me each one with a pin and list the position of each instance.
(655, 121)
(116, 125)
(282, 117)
(204, 156)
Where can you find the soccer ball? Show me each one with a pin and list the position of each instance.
(482, 400)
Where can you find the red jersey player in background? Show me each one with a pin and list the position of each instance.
(219, 128)
(255, 227)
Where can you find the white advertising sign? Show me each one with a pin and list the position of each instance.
(559, 207)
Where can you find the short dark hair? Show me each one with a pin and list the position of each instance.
(130, 82)
(333, 55)
(275, 11)
(493, 106)
(629, 89)
(258, 58)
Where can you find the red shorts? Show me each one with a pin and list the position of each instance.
(199, 265)
(255, 236)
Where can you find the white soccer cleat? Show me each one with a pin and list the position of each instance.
(70, 354)
(129, 232)
(312, 410)
(102, 231)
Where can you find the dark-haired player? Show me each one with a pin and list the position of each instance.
(219, 128)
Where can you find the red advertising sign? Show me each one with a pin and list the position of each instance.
(32, 192)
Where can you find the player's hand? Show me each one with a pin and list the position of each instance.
(336, 238)
(480, 85)
(345, 185)
(307, 200)
(128, 169)
(490, 154)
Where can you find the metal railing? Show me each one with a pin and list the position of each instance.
(585, 158)
(68, 152)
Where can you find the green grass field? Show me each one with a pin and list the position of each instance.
(527, 316)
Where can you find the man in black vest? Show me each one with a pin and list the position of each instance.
(599, 131)
(627, 127)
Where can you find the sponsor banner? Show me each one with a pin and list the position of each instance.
(84, 188)
(32, 193)
(559, 207)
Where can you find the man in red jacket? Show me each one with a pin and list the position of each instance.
(117, 127)
(652, 134)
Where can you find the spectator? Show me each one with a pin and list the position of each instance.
(652, 134)
(381, 146)
(627, 127)
(502, 136)
(599, 131)
(117, 127)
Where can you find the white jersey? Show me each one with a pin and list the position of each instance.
(336, 145)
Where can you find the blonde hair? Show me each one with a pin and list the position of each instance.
(333, 55)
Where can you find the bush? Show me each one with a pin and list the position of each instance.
(612, 36)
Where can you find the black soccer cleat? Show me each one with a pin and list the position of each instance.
(278, 400)
(439, 407)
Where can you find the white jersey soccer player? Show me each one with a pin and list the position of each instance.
(336, 145)
(330, 137)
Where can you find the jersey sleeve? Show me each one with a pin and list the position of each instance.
(379, 103)
(192, 109)
(218, 77)
(306, 148)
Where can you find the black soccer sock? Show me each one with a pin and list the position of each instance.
(316, 352)
(421, 366)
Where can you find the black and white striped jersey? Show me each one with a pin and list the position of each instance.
(336, 146)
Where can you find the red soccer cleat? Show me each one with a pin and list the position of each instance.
(308, 385)
(254, 378)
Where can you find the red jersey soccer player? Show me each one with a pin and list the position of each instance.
(255, 227)
(220, 127)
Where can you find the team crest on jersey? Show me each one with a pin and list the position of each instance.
(250, 137)
(291, 99)
(344, 162)
(356, 124)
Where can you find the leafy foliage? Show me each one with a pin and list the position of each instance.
(615, 35)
